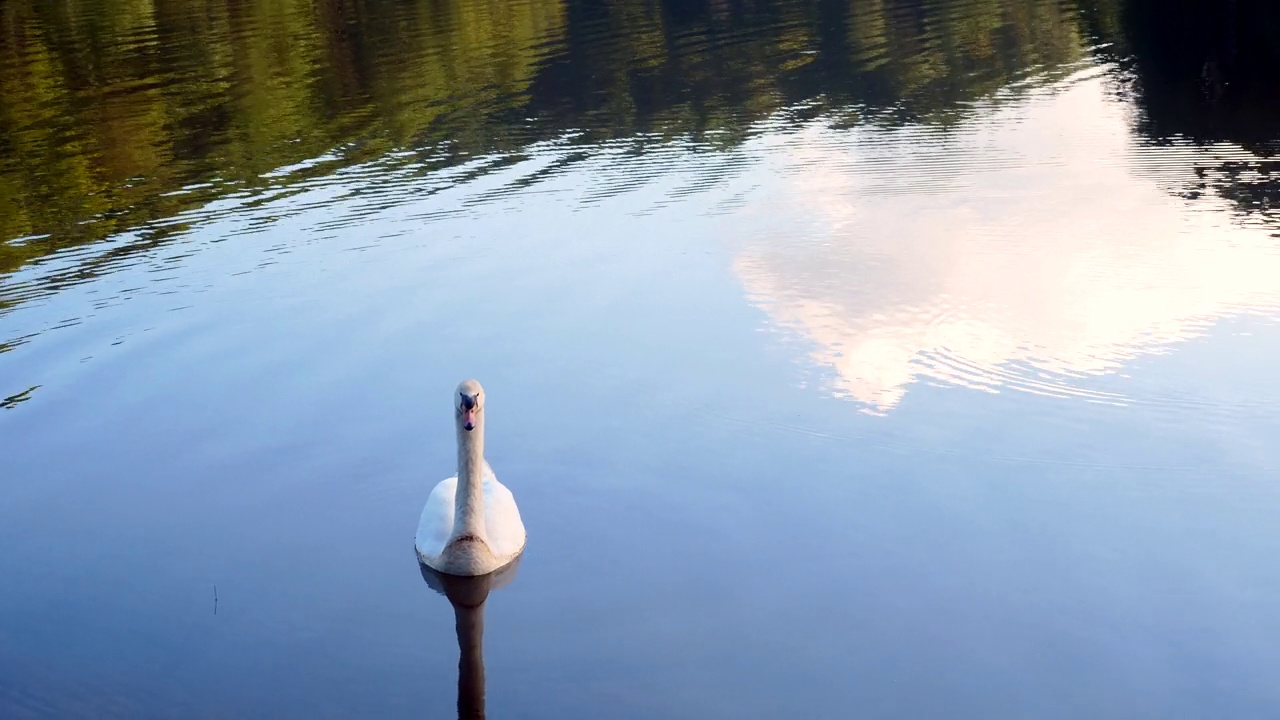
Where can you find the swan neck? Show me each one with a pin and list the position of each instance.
(469, 502)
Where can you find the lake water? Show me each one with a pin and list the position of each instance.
(877, 359)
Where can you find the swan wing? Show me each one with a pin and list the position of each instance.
(502, 522)
(436, 523)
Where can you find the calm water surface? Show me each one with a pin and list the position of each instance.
(882, 358)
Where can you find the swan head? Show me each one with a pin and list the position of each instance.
(468, 401)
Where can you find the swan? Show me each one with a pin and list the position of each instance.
(470, 525)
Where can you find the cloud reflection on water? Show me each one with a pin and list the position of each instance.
(1024, 248)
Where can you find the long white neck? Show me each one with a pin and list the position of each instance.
(468, 509)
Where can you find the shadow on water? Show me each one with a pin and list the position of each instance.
(468, 595)
(1203, 73)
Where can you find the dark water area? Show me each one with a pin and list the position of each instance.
(875, 358)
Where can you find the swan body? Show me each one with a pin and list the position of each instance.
(470, 524)
(504, 534)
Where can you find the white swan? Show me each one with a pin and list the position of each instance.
(470, 525)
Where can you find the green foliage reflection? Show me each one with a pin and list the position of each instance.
(118, 114)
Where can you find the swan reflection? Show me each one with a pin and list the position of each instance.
(468, 596)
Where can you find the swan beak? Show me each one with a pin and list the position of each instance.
(468, 420)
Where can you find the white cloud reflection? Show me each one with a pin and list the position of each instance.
(1029, 246)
